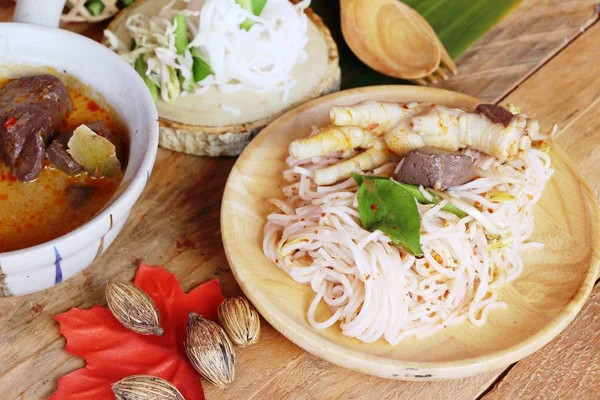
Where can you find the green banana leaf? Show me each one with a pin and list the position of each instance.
(458, 24)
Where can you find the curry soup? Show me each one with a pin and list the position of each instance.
(55, 203)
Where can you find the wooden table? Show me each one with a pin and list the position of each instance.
(544, 57)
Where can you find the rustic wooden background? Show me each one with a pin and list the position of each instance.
(543, 57)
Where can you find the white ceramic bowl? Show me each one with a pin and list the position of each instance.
(27, 48)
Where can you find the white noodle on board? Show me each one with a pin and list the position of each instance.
(260, 59)
(372, 288)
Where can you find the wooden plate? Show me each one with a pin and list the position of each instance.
(554, 284)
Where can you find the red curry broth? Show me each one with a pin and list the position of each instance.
(35, 212)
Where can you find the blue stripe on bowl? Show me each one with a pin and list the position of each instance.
(58, 273)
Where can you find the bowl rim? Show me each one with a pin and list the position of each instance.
(399, 369)
(126, 198)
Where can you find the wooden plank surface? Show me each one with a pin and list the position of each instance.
(521, 43)
(504, 57)
(314, 379)
(188, 190)
(566, 91)
(567, 368)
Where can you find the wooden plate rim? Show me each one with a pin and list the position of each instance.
(379, 365)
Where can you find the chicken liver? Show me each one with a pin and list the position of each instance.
(433, 168)
(31, 109)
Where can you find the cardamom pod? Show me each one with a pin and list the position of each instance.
(145, 387)
(240, 320)
(209, 350)
(133, 308)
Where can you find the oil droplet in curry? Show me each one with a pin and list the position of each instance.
(41, 210)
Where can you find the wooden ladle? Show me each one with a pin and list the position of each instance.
(386, 35)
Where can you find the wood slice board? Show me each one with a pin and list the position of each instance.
(555, 282)
(196, 124)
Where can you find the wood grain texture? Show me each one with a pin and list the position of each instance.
(569, 367)
(566, 91)
(176, 222)
(504, 57)
(305, 381)
(520, 44)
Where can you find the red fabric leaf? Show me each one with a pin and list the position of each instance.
(113, 352)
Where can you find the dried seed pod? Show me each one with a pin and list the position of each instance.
(133, 308)
(209, 350)
(240, 320)
(145, 387)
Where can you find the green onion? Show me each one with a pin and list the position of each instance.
(189, 87)
(200, 68)
(257, 6)
(247, 24)
(173, 86)
(153, 89)
(451, 208)
(127, 2)
(133, 45)
(253, 6)
(95, 7)
(181, 37)
(141, 67)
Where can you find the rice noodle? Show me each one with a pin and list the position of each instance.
(260, 59)
(374, 289)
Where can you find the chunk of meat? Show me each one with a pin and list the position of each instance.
(433, 168)
(100, 128)
(31, 109)
(78, 195)
(58, 155)
(495, 113)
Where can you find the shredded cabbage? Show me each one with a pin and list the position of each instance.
(260, 59)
